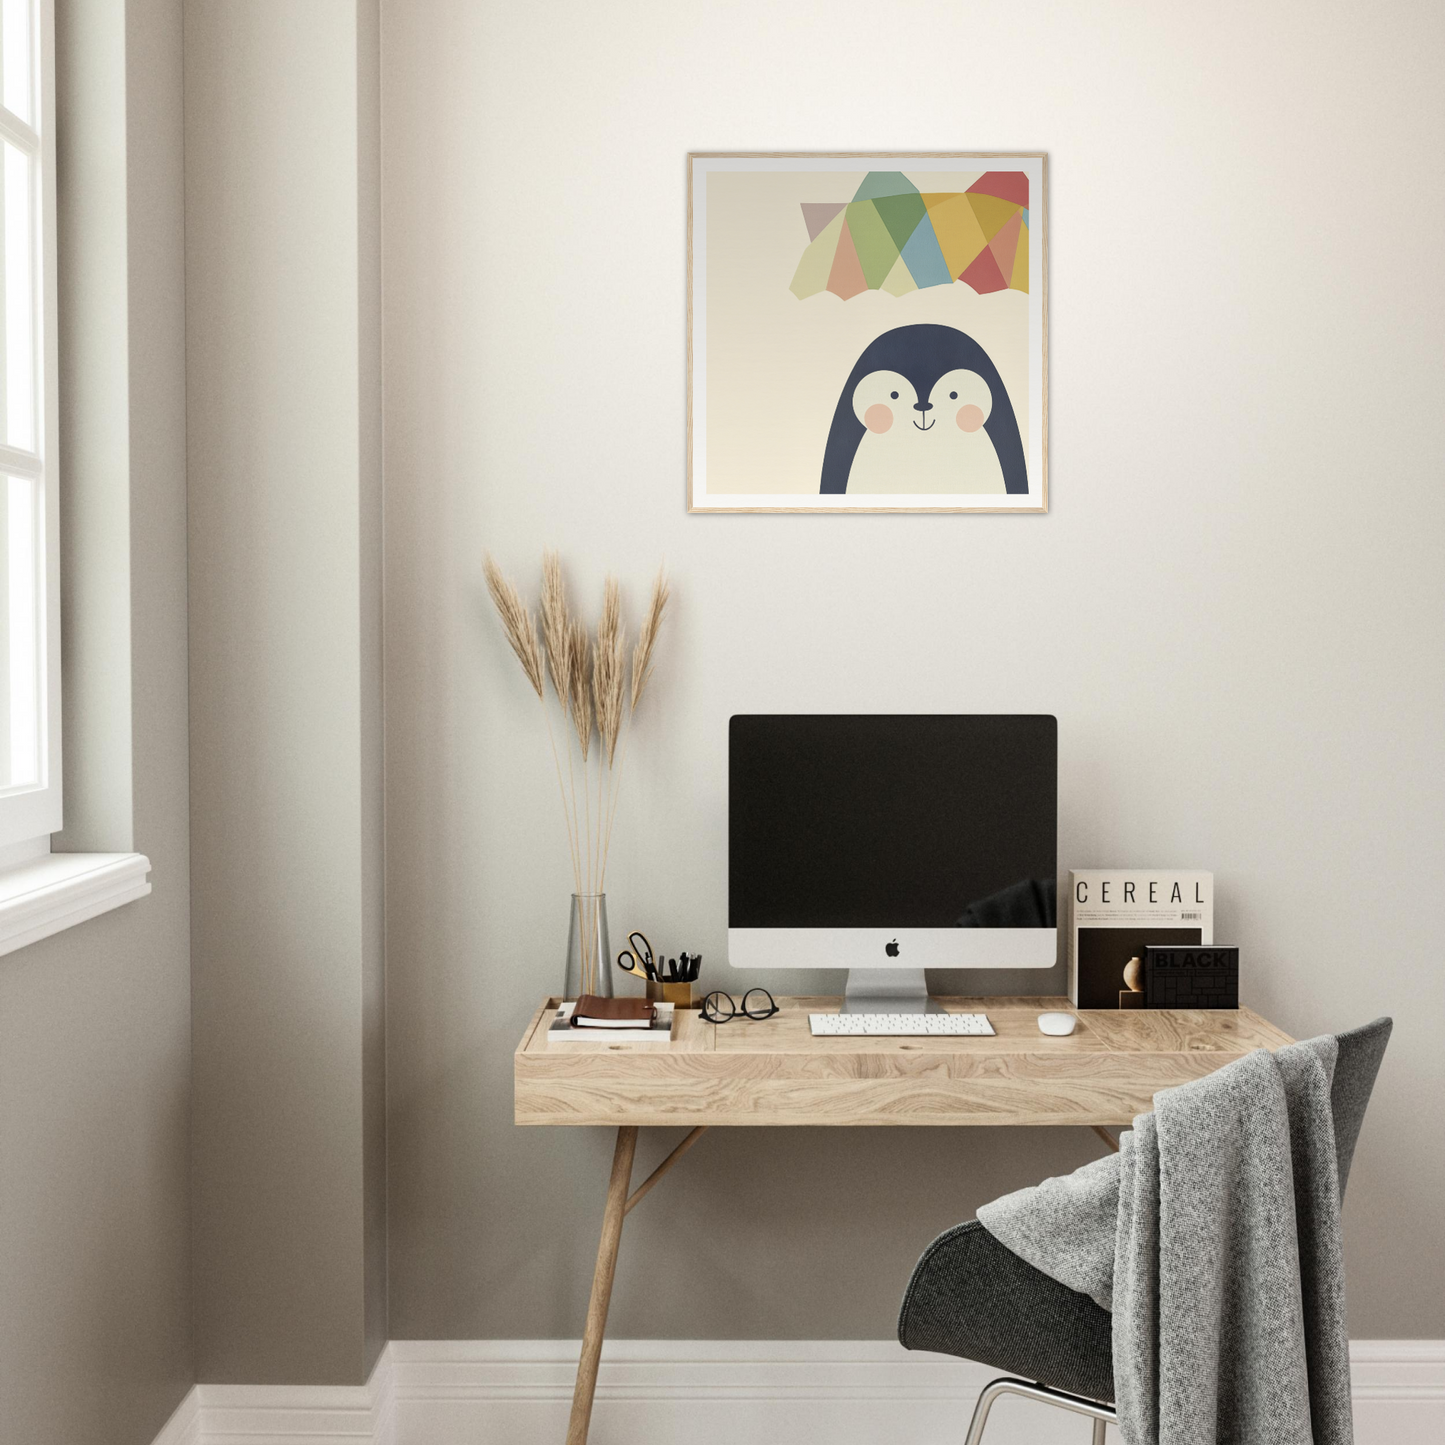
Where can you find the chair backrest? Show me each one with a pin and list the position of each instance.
(1359, 1061)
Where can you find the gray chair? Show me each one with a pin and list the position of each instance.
(972, 1297)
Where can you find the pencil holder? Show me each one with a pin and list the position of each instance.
(679, 994)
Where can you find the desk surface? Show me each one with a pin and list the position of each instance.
(774, 1072)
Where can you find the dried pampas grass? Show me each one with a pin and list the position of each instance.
(609, 670)
(516, 622)
(556, 635)
(589, 681)
(647, 636)
(591, 689)
(579, 685)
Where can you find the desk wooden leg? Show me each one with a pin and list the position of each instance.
(640, 1193)
(612, 1217)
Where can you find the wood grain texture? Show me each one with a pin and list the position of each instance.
(774, 1072)
(613, 1214)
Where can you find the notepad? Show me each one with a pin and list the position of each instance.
(592, 1012)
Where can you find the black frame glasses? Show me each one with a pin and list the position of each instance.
(713, 1006)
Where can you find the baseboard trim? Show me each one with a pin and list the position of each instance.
(287, 1414)
(544, 1370)
(184, 1426)
(704, 1392)
(1399, 1371)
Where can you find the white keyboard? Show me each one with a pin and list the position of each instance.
(912, 1026)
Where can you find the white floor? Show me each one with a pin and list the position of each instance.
(714, 1392)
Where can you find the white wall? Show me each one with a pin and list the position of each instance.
(1234, 606)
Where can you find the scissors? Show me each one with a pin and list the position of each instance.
(637, 958)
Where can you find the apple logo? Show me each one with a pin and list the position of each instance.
(891, 949)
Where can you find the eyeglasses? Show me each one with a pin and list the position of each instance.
(719, 1008)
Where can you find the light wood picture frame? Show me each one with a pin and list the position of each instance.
(867, 331)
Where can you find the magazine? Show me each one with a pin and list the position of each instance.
(1115, 912)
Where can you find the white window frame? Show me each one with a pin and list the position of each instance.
(29, 815)
(42, 892)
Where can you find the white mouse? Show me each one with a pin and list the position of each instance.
(1057, 1023)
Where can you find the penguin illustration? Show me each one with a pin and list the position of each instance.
(924, 410)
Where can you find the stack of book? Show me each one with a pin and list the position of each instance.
(591, 1029)
(1116, 914)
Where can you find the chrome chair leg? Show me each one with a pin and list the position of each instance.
(1100, 1414)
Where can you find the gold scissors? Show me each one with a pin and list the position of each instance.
(638, 958)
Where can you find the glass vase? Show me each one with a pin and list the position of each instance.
(589, 952)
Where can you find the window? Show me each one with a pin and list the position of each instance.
(30, 796)
(41, 892)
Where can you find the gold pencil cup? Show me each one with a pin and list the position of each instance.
(679, 994)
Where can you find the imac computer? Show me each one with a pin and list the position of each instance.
(890, 844)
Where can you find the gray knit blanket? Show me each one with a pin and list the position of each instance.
(1214, 1237)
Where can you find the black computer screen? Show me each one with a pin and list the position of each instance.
(932, 821)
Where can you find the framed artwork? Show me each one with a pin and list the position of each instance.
(867, 333)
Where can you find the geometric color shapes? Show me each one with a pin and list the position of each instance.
(893, 238)
(1011, 186)
(1005, 244)
(1020, 278)
(991, 213)
(901, 214)
(983, 275)
(817, 214)
(959, 233)
(877, 250)
(846, 277)
(884, 183)
(899, 280)
(816, 264)
(924, 259)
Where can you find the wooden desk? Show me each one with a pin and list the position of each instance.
(773, 1072)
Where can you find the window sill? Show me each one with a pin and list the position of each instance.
(60, 890)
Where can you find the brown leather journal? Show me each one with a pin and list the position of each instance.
(594, 1012)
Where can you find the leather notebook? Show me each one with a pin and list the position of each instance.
(593, 1012)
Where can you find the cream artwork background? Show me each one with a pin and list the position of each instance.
(776, 365)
